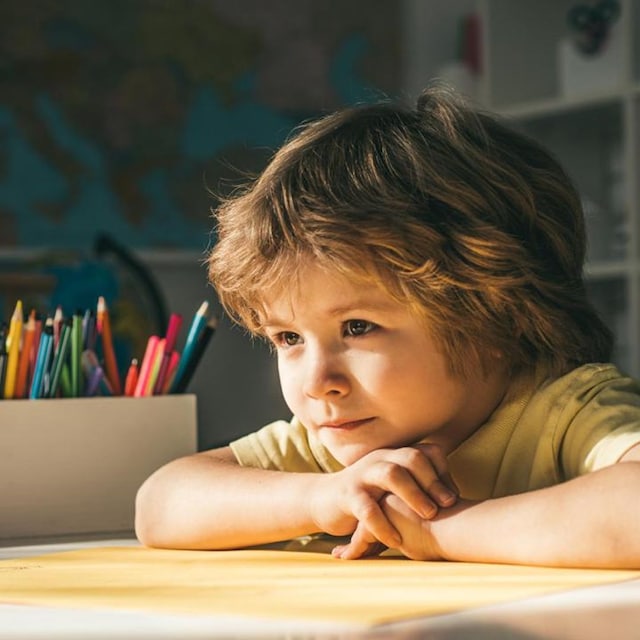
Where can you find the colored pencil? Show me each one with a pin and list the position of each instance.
(13, 350)
(171, 337)
(76, 353)
(155, 367)
(58, 319)
(90, 336)
(195, 329)
(93, 381)
(171, 372)
(65, 381)
(60, 358)
(132, 378)
(43, 360)
(36, 341)
(145, 368)
(104, 328)
(49, 361)
(196, 355)
(3, 356)
(24, 366)
(86, 328)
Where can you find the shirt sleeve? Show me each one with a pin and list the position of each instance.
(283, 446)
(605, 428)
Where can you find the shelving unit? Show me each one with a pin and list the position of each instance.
(593, 130)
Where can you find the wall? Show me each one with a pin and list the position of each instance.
(92, 140)
(236, 382)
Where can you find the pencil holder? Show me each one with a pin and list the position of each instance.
(72, 466)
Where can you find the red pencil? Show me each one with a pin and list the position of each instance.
(132, 378)
(175, 322)
(36, 341)
(174, 361)
(58, 319)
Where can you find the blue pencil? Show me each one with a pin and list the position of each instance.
(197, 325)
(195, 356)
(43, 359)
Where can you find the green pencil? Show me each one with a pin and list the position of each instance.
(76, 351)
(65, 381)
(60, 358)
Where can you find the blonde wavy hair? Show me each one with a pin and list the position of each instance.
(474, 226)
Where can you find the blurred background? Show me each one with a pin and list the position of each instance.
(120, 121)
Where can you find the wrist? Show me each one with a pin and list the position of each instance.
(314, 501)
(447, 532)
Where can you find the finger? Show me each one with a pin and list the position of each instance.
(436, 457)
(417, 540)
(425, 475)
(371, 517)
(361, 545)
(440, 487)
(399, 478)
(442, 495)
(438, 460)
(449, 482)
(352, 552)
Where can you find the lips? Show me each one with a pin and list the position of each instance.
(346, 425)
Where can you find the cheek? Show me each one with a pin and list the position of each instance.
(289, 384)
(380, 375)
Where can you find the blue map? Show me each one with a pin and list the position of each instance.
(125, 117)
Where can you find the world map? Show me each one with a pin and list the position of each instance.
(128, 116)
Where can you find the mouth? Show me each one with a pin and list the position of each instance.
(346, 425)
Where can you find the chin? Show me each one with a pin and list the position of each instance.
(347, 455)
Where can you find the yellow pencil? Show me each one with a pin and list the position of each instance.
(13, 355)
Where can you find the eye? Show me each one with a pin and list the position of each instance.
(286, 339)
(355, 328)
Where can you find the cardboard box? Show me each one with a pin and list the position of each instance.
(73, 466)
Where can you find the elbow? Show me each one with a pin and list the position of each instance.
(146, 525)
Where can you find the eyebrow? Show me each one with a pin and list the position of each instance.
(360, 305)
(353, 307)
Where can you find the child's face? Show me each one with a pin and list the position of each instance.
(362, 372)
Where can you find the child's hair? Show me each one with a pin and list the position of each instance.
(473, 225)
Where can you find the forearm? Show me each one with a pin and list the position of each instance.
(592, 521)
(203, 502)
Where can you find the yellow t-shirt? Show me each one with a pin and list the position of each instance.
(544, 432)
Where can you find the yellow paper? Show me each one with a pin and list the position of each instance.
(277, 585)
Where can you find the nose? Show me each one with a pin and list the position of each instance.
(325, 375)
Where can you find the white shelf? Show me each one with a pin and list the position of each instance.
(595, 133)
(589, 120)
(606, 270)
(560, 105)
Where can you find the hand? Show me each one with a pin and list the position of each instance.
(418, 539)
(350, 499)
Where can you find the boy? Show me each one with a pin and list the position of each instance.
(419, 274)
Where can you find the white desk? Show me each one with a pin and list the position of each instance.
(610, 612)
